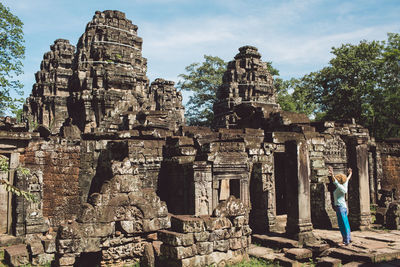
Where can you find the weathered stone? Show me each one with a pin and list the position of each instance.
(43, 259)
(16, 255)
(187, 224)
(178, 252)
(216, 223)
(329, 262)
(176, 239)
(221, 245)
(148, 259)
(298, 253)
(393, 216)
(66, 260)
(35, 247)
(219, 235)
(204, 247)
(231, 207)
(201, 236)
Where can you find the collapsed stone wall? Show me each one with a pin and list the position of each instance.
(119, 215)
(207, 240)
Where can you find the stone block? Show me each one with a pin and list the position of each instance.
(221, 245)
(35, 247)
(16, 255)
(43, 259)
(49, 244)
(216, 223)
(236, 243)
(152, 225)
(178, 252)
(275, 241)
(329, 262)
(66, 260)
(230, 207)
(286, 262)
(235, 232)
(197, 260)
(175, 239)
(219, 235)
(9, 240)
(298, 253)
(148, 258)
(187, 224)
(204, 247)
(247, 230)
(240, 221)
(90, 244)
(201, 236)
(97, 229)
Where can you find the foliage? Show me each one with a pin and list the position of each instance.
(361, 82)
(12, 52)
(4, 167)
(203, 81)
(254, 262)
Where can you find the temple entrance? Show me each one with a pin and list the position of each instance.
(5, 201)
(280, 184)
(280, 192)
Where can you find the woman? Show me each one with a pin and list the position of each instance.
(341, 183)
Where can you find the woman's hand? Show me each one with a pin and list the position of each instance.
(349, 171)
(330, 170)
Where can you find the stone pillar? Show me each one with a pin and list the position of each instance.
(262, 196)
(202, 188)
(298, 174)
(359, 198)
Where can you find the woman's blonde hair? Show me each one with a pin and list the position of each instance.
(341, 178)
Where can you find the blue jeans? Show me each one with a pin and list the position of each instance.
(343, 222)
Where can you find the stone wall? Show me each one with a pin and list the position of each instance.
(389, 151)
(207, 240)
(118, 217)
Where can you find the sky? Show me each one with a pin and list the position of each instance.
(297, 36)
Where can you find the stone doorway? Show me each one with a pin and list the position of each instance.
(6, 197)
(280, 184)
(280, 192)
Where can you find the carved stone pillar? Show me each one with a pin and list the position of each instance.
(298, 173)
(359, 198)
(202, 188)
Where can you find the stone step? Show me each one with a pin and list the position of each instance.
(16, 255)
(9, 240)
(380, 255)
(275, 242)
(329, 262)
(270, 255)
(299, 254)
(267, 254)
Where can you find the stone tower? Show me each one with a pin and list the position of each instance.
(47, 104)
(109, 73)
(247, 86)
(103, 87)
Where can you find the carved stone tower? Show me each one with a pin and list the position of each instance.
(247, 86)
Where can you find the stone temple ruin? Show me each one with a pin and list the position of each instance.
(120, 178)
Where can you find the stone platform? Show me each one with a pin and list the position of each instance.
(369, 248)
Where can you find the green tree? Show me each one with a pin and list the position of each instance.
(12, 52)
(203, 81)
(361, 82)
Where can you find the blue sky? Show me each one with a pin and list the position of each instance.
(296, 36)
